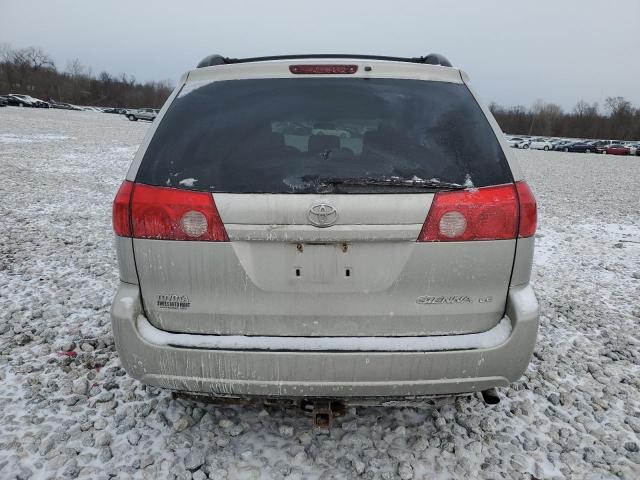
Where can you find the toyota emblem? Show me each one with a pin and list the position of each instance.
(322, 215)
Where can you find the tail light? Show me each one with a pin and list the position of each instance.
(160, 213)
(528, 211)
(488, 213)
(121, 207)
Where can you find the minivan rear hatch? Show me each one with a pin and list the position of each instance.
(322, 185)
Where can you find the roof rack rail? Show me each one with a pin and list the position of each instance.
(431, 59)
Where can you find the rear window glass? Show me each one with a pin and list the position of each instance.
(291, 135)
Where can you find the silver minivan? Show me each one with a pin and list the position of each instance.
(385, 255)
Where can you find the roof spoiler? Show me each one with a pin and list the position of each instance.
(431, 59)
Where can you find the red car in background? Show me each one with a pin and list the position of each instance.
(616, 150)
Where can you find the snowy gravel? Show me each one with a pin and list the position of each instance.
(67, 409)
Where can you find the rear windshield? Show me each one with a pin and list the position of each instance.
(304, 135)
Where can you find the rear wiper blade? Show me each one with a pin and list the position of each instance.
(385, 181)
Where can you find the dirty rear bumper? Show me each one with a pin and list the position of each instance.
(335, 374)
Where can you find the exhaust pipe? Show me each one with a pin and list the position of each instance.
(490, 396)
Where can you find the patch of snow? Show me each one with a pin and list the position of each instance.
(468, 183)
(33, 138)
(188, 182)
(573, 414)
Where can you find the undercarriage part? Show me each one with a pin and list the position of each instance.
(490, 396)
(322, 411)
(212, 399)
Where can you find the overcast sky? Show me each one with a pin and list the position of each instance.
(514, 51)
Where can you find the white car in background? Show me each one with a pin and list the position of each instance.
(518, 142)
(541, 144)
(149, 114)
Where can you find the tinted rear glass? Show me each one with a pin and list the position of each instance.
(281, 135)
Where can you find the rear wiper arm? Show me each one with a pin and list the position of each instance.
(391, 181)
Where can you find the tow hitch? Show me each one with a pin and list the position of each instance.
(322, 412)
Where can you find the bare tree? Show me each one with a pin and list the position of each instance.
(31, 70)
(75, 68)
(584, 109)
(545, 116)
(618, 106)
(584, 121)
(37, 58)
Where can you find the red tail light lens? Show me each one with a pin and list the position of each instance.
(528, 211)
(323, 69)
(488, 213)
(120, 213)
(169, 214)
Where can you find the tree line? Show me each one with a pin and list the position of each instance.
(619, 121)
(31, 71)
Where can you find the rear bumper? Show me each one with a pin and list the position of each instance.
(154, 358)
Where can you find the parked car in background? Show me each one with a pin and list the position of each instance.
(634, 148)
(117, 110)
(61, 106)
(142, 114)
(29, 101)
(617, 149)
(518, 142)
(581, 147)
(560, 144)
(21, 100)
(4, 101)
(601, 145)
(65, 106)
(604, 143)
(17, 101)
(540, 144)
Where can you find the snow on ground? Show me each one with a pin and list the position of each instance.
(575, 413)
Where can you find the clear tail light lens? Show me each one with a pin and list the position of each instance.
(452, 224)
(163, 213)
(194, 223)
